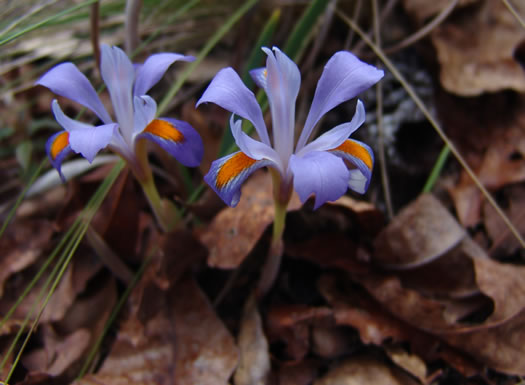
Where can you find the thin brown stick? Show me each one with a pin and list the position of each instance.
(514, 12)
(419, 103)
(385, 12)
(94, 19)
(380, 127)
(131, 25)
(424, 31)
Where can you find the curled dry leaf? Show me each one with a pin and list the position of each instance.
(254, 364)
(475, 50)
(421, 232)
(235, 230)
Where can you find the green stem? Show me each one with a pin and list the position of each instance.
(166, 213)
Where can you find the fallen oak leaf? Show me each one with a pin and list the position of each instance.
(235, 230)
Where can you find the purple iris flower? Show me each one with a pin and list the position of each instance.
(326, 166)
(134, 113)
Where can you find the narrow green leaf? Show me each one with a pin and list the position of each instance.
(228, 24)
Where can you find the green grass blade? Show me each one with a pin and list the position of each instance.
(45, 22)
(21, 197)
(298, 38)
(228, 24)
(436, 170)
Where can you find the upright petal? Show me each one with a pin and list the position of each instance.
(319, 173)
(282, 86)
(251, 147)
(260, 76)
(66, 80)
(228, 91)
(337, 135)
(57, 148)
(227, 175)
(118, 74)
(360, 155)
(145, 110)
(90, 140)
(344, 77)
(153, 70)
(176, 137)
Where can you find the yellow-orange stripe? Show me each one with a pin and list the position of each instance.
(60, 142)
(355, 149)
(164, 130)
(233, 167)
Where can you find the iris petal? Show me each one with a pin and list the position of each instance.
(251, 147)
(228, 91)
(227, 175)
(337, 135)
(90, 140)
(362, 157)
(145, 110)
(57, 148)
(176, 137)
(259, 76)
(344, 77)
(153, 69)
(118, 74)
(282, 87)
(66, 80)
(319, 173)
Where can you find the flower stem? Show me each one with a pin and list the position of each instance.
(166, 213)
(275, 253)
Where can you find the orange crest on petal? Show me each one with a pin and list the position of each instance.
(232, 168)
(355, 149)
(60, 142)
(164, 130)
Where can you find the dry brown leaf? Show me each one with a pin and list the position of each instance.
(291, 323)
(364, 371)
(476, 50)
(235, 230)
(377, 326)
(503, 242)
(423, 9)
(58, 353)
(254, 364)
(301, 373)
(501, 348)
(205, 351)
(420, 233)
(412, 363)
(21, 245)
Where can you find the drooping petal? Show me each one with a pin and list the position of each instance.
(90, 140)
(344, 77)
(118, 74)
(66, 80)
(251, 147)
(227, 175)
(65, 121)
(337, 135)
(319, 173)
(57, 148)
(360, 155)
(176, 137)
(282, 87)
(228, 91)
(145, 110)
(259, 76)
(153, 69)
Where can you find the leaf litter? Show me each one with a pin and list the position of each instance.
(435, 295)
